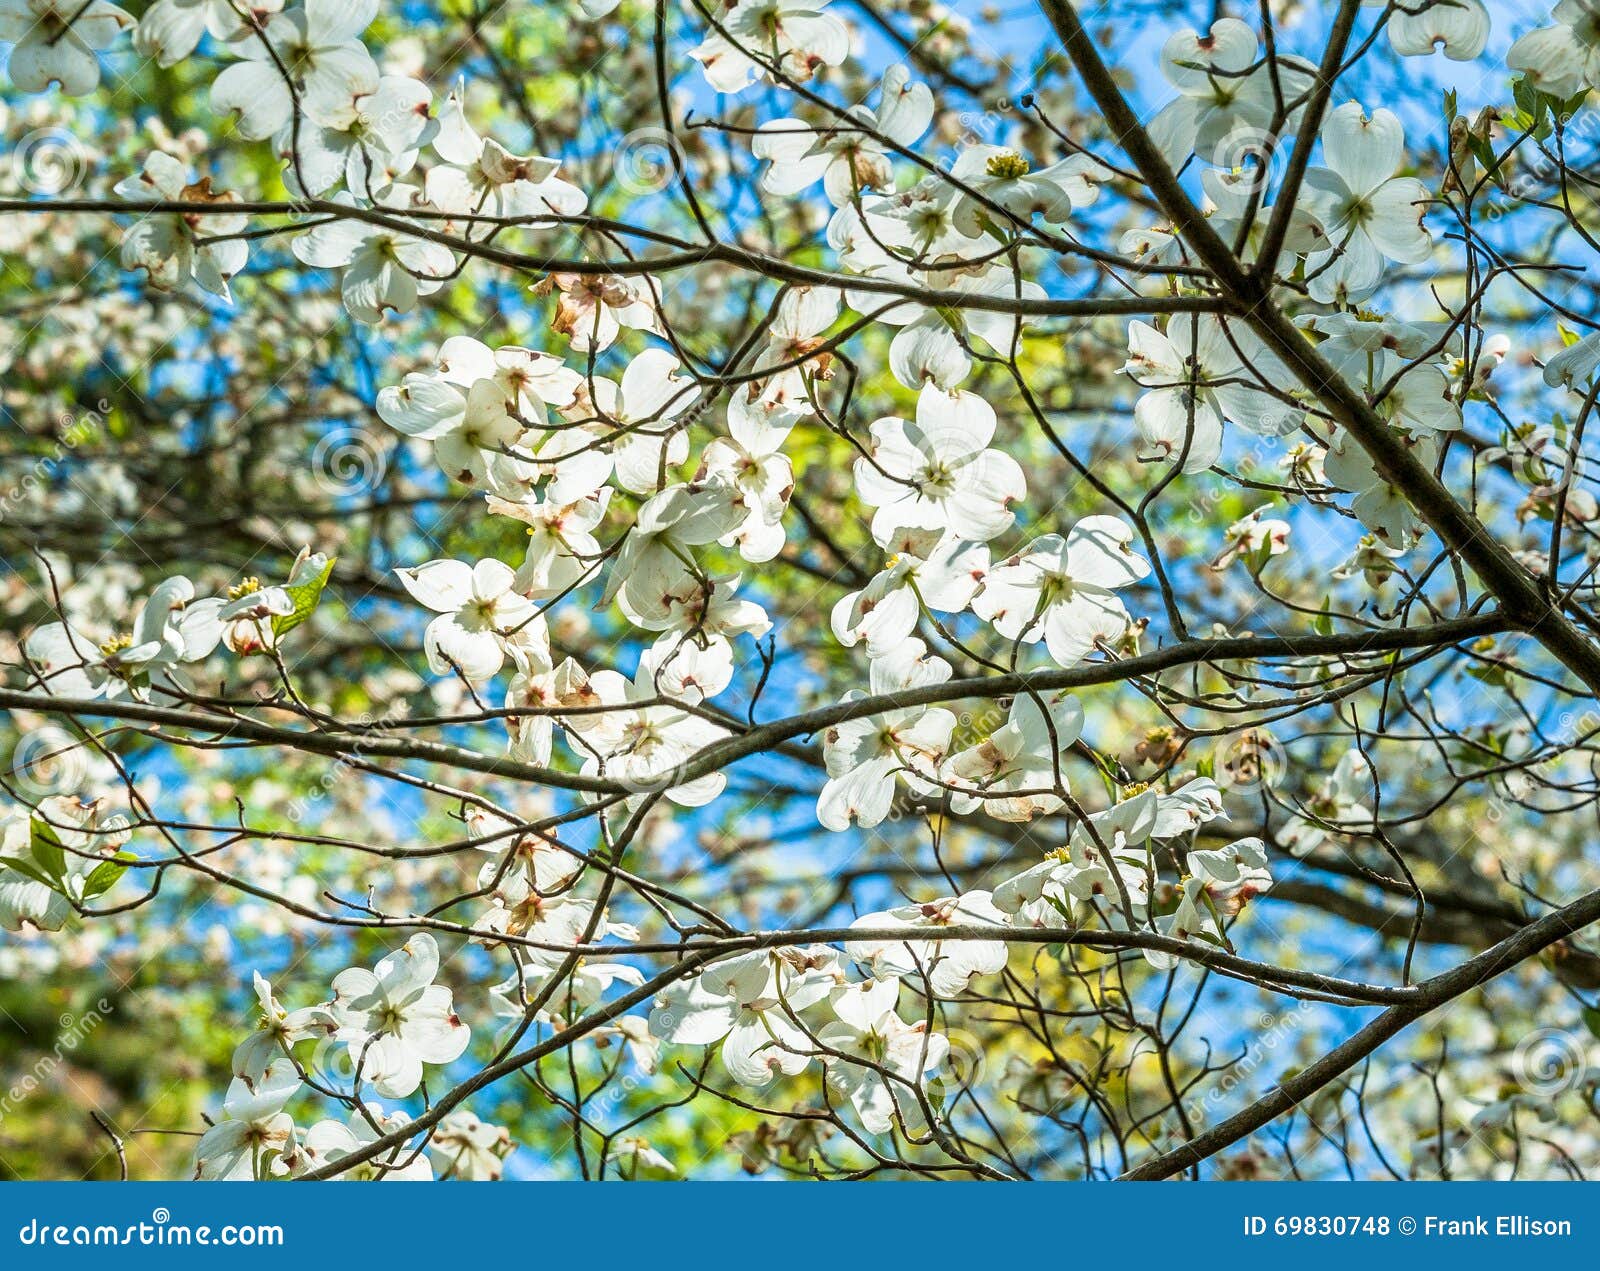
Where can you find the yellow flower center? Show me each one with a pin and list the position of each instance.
(1009, 164)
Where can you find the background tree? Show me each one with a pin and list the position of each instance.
(842, 590)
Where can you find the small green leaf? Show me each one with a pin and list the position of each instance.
(29, 870)
(104, 876)
(48, 854)
(1528, 99)
(306, 596)
(1591, 1017)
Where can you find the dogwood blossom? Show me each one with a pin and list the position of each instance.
(1016, 770)
(484, 410)
(866, 757)
(481, 614)
(1459, 27)
(796, 34)
(169, 30)
(894, 1056)
(1235, 874)
(645, 742)
(1001, 177)
(173, 628)
(949, 965)
(1253, 538)
(481, 177)
(804, 313)
(1564, 57)
(649, 576)
(937, 473)
(751, 458)
(1063, 589)
(250, 1140)
(924, 567)
(1382, 507)
(593, 309)
(165, 246)
(638, 414)
(366, 135)
(1341, 804)
(1223, 91)
(1200, 373)
(318, 47)
(1575, 365)
(469, 1149)
(747, 1003)
(846, 158)
(279, 1029)
(1370, 214)
(394, 1018)
(77, 836)
(329, 1141)
(56, 42)
(384, 269)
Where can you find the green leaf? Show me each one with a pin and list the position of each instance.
(104, 876)
(1528, 100)
(1591, 1017)
(29, 870)
(1483, 151)
(1323, 624)
(305, 595)
(48, 854)
(1450, 106)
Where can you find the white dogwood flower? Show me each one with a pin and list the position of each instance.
(56, 42)
(1370, 214)
(795, 34)
(938, 473)
(847, 156)
(394, 1018)
(165, 245)
(867, 756)
(481, 614)
(1063, 590)
(1564, 57)
(318, 47)
(949, 965)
